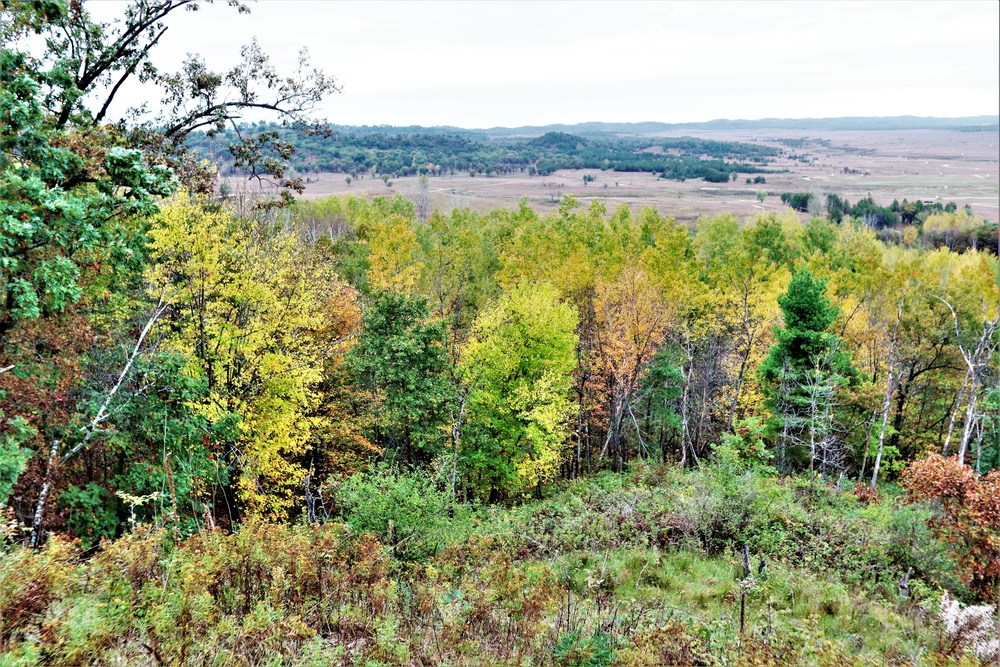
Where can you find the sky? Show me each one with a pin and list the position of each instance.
(486, 64)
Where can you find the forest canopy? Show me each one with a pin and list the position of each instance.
(394, 153)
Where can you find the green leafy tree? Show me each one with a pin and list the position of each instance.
(68, 200)
(518, 363)
(401, 359)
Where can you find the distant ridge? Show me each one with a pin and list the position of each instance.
(852, 123)
(846, 123)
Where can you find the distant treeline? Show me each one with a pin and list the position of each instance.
(397, 152)
(938, 224)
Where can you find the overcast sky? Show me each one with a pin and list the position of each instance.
(480, 64)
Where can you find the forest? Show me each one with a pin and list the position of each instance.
(239, 429)
(397, 152)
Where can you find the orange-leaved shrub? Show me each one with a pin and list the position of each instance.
(968, 517)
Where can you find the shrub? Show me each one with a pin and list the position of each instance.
(29, 582)
(968, 629)
(969, 518)
(575, 650)
(405, 509)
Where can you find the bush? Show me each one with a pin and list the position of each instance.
(610, 570)
(968, 518)
(29, 582)
(405, 509)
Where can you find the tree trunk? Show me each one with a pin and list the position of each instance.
(954, 412)
(739, 384)
(685, 430)
(36, 522)
(886, 404)
(890, 382)
(970, 420)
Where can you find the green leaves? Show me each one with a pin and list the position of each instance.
(13, 459)
(66, 195)
(401, 359)
(807, 314)
(405, 510)
(518, 362)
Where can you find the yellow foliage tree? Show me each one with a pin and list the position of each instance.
(392, 248)
(517, 363)
(257, 316)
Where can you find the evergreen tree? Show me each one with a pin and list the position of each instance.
(802, 372)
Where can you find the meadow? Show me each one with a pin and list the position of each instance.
(935, 165)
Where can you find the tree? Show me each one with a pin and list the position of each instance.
(156, 458)
(13, 458)
(629, 326)
(805, 366)
(86, 60)
(392, 247)
(893, 376)
(518, 363)
(401, 360)
(976, 353)
(77, 194)
(745, 268)
(257, 316)
(70, 198)
(423, 198)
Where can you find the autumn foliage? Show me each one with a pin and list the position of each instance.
(969, 516)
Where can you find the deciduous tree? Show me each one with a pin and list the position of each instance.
(518, 363)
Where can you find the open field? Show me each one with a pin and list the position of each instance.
(944, 165)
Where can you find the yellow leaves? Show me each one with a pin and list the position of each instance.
(543, 408)
(949, 223)
(257, 317)
(971, 280)
(545, 252)
(631, 323)
(392, 248)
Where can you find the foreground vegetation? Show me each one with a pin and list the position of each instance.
(642, 568)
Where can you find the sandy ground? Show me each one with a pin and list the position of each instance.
(938, 165)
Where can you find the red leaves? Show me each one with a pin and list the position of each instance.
(969, 518)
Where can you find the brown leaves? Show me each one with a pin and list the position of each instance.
(969, 518)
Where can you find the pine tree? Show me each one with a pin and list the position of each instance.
(803, 371)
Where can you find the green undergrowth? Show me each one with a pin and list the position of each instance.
(642, 568)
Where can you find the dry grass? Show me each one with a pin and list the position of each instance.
(963, 167)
